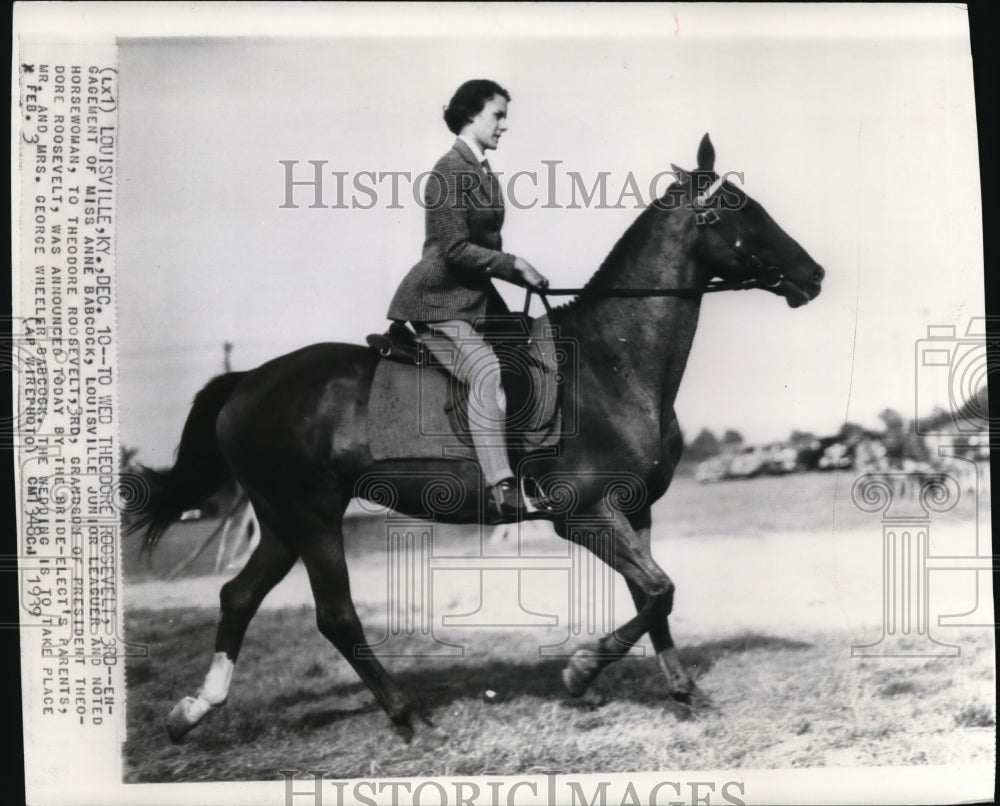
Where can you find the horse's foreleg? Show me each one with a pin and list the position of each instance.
(630, 557)
(679, 682)
(240, 598)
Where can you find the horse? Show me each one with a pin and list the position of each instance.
(293, 433)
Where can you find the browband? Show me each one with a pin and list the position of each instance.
(702, 198)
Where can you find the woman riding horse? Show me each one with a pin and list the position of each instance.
(450, 290)
(294, 433)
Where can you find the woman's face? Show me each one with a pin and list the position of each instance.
(486, 127)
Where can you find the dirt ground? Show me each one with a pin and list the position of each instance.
(793, 582)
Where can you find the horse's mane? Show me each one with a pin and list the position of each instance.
(637, 234)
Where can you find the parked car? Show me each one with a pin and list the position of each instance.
(836, 457)
(713, 469)
(809, 454)
(780, 458)
(748, 463)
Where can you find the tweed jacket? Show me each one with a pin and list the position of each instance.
(462, 248)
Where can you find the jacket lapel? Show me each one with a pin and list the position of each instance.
(489, 188)
(465, 153)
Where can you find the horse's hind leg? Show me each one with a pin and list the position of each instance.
(323, 555)
(239, 599)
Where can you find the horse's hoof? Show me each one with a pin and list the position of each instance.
(699, 700)
(404, 731)
(186, 715)
(588, 701)
(430, 736)
(573, 686)
(691, 702)
(579, 672)
(425, 730)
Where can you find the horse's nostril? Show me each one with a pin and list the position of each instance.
(819, 274)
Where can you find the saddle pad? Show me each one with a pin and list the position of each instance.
(411, 410)
(406, 416)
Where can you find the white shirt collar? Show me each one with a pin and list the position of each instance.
(474, 148)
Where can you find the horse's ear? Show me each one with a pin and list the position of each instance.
(680, 173)
(706, 154)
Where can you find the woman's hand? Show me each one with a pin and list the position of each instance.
(531, 276)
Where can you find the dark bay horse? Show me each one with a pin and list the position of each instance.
(293, 433)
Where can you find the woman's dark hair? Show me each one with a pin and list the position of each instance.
(469, 100)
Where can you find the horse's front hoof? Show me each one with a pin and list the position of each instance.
(698, 700)
(690, 704)
(680, 684)
(186, 715)
(580, 671)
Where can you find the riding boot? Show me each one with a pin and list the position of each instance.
(506, 504)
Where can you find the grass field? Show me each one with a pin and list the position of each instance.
(777, 578)
(780, 703)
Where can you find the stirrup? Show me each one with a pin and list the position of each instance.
(506, 503)
(534, 497)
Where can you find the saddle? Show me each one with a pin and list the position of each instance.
(398, 343)
(409, 378)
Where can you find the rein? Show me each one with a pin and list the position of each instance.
(761, 276)
(607, 293)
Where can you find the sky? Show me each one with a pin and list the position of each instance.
(854, 126)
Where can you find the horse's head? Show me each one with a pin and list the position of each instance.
(738, 241)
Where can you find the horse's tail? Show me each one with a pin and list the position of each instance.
(199, 469)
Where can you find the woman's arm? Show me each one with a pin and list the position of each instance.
(448, 223)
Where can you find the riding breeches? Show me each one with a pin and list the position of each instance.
(471, 360)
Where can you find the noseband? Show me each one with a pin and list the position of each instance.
(760, 276)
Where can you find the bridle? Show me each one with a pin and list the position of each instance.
(760, 276)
